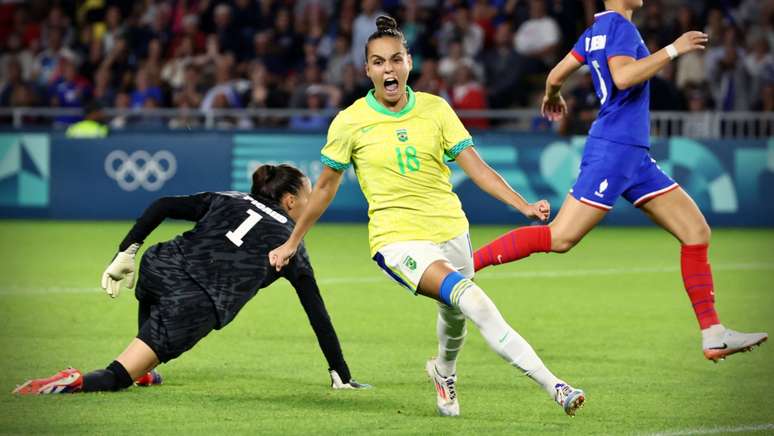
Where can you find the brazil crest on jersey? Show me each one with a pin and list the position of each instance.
(400, 162)
(624, 116)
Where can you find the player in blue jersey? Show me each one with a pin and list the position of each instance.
(616, 163)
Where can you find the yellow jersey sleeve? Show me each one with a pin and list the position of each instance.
(337, 151)
(454, 135)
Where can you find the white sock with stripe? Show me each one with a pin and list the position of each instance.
(500, 336)
(451, 334)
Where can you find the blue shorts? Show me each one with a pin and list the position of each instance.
(609, 170)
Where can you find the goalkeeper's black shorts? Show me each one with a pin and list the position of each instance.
(175, 312)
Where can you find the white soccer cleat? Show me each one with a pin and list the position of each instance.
(730, 342)
(445, 389)
(338, 383)
(569, 398)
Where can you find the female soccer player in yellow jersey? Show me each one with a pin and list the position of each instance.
(398, 141)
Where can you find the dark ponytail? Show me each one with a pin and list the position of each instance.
(386, 27)
(274, 181)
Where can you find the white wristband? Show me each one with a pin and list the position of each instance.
(671, 51)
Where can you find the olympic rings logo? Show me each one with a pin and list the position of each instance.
(140, 169)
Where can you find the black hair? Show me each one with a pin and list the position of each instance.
(274, 181)
(386, 27)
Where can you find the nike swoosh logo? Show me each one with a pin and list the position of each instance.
(504, 336)
(367, 129)
(725, 345)
(499, 258)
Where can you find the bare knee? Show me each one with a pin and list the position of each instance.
(696, 234)
(562, 243)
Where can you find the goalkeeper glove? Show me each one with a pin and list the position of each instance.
(122, 268)
(337, 383)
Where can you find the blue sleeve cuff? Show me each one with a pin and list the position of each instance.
(338, 166)
(453, 152)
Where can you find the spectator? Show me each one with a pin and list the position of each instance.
(340, 58)
(430, 80)
(698, 121)
(69, 90)
(503, 66)
(264, 53)
(455, 60)
(758, 62)
(363, 26)
(123, 104)
(461, 28)
(286, 43)
(191, 88)
(467, 93)
(15, 85)
(312, 77)
(483, 14)
(46, 64)
(664, 95)
(727, 74)
(538, 37)
(352, 87)
(228, 36)
(223, 94)
(113, 28)
(190, 31)
(14, 51)
(315, 122)
(145, 89)
(103, 92)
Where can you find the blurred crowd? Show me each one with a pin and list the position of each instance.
(477, 54)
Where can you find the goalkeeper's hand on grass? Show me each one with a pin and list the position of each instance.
(337, 383)
(120, 270)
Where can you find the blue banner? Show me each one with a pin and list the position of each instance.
(118, 177)
(48, 175)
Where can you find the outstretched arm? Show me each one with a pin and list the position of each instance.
(628, 72)
(121, 269)
(322, 195)
(188, 207)
(493, 184)
(312, 301)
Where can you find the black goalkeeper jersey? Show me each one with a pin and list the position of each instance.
(227, 251)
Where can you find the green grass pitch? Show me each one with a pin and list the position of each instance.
(610, 317)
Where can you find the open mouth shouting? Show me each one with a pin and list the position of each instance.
(391, 87)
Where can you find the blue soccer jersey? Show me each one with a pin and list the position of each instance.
(624, 116)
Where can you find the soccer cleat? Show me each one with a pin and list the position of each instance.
(67, 381)
(337, 383)
(731, 342)
(569, 398)
(445, 389)
(149, 379)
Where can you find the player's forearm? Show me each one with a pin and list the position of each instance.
(314, 306)
(323, 193)
(560, 73)
(489, 180)
(635, 72)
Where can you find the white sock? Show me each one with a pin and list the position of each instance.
(502, 338)
(451, 334)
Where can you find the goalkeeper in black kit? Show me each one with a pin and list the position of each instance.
(201, 279)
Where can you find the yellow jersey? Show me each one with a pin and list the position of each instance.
(400, 162)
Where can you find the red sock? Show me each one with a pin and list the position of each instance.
(514, 245)
(697, 278)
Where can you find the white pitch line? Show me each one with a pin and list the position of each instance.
(489, 274)
(717, 430)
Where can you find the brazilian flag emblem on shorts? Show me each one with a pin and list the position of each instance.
(410, 263)
(402, 135)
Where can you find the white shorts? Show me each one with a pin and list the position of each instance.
(405, 262)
